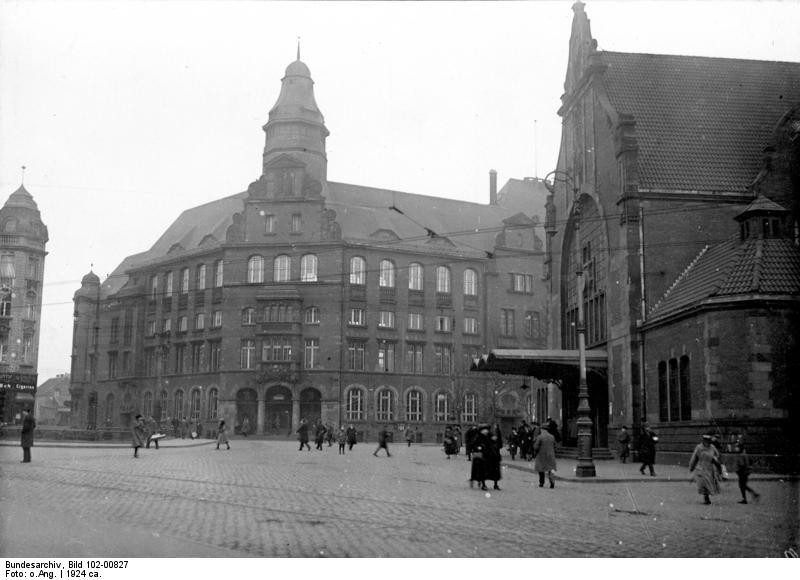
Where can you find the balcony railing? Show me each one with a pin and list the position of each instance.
(388, 295)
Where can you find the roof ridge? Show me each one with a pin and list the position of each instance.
(695, 56)
(436, 197)
(682, 276)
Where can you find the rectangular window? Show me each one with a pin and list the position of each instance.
(311, 353)
(151, 328)
(414, 358)
(522, 283)
(355, 356)
(126, 363)
(507, 322)
(218, 274)
(663, 393)
(33, 268)
(533, 324)
(199, 321)
(269, 224)
(114, 335)
(112, 365)
(386, 357)
(444, 358)
(185, 281)
(441, 408)
(215, 355)
(442, 324)
(385, 405)
(415, 321)
(297, 223)
(470, 325)
(686, 393)
(149, 362)
(197, 357)
(180, 358)
(200, 277)
(248, 354)
(153, 287)
(355, 405)
(217, 319)
(166, 325)
(386, 319)
(357, 317)
(470, 413)
(168, 285)
(276, 348)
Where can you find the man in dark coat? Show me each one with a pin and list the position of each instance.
(647, 450)
(138, 435)
(383, 441)
(352, 437)
(481, 445)
(26, 436)
(469, 441)
(623, 443)
(544, 452)
(302, 435)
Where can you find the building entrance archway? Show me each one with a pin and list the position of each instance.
(278, 407)
(246, 406)
(311, 405)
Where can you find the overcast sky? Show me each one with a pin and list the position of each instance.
(125, 114)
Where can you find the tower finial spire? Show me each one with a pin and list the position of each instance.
(298, 48)
(22, 180)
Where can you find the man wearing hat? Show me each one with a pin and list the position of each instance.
(623, 443)
(138, 436)
(26, 435)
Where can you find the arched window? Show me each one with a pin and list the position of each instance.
(385, 405)
(355, 404)
(686, 389)
(255, 270)
(195, 404)
(200, 277)
(312, 315)
(282, 269)
(249, 315)
(413, 405)
(168, 284)
(185, 281)
(470, 282)
(308, 268)
(386, 279)
(358, 270)
(441, 407)
(178, 400)
(415, 279)
(212, 403)
(443, 279)
(147, 404)
(218, 273)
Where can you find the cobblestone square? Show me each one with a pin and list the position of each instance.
(267, 499)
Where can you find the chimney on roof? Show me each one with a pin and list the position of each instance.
(492, 187)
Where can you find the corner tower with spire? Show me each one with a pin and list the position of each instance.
(23, 237)
(295, 163)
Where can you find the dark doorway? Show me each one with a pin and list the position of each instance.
(278, 411)
(246, 406)
(310, 405)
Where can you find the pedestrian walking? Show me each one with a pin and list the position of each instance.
(706, 467)
(409, 436)
(302, 435)
(493, 458)
(743, 471)
(544, 456)
(480, 447)
(449, 442)
(26, 435)
(184, 426)
(245, 428)
(647, 450)
(352, 437)
(623, 444)
(222, 434)
(150, 431)
(469, 440)
(513, 443)
(138, 435)
(341, 439)
(319, 436)
(329, 434)
(383, 441)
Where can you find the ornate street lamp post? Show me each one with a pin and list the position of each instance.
(585, 467)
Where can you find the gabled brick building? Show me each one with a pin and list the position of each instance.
(660, 155)
(305, 298)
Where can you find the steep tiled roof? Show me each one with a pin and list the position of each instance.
(361, 211)
(734, 268)
(701, 123)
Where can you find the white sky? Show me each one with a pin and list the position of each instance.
(125, 114)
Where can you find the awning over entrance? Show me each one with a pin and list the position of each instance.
(545, 365)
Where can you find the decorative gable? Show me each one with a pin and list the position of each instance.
(384, 235)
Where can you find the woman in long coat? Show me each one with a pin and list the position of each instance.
(492, 458)
(222, 434)
(26, 436)
(302, 435)
(480, 446)
(647, 450)
(706, 467)
(138, 435)
(544, 456)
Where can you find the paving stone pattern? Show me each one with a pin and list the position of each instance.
(266, 499)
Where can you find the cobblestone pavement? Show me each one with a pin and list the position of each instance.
(266, 499)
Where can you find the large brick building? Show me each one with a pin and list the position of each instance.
(692, 273)
(23, 237)
(304, 298)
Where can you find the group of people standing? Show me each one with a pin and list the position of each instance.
(522, 438)
(322, 433)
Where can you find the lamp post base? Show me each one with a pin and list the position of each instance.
(585, 468)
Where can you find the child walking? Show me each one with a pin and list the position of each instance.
(743, 471)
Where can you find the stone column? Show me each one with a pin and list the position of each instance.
(295, 412)
(261, 412)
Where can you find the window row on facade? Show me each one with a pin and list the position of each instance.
(386, 405)
(194, 407)
(674, 390)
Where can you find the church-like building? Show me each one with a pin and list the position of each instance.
(302, 298)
